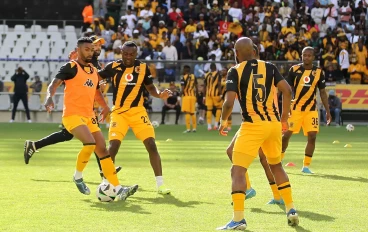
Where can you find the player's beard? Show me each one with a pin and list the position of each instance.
(96, 53)
(88, 60)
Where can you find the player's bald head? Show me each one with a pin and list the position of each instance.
(244, 49)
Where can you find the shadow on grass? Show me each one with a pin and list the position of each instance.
(170, 200)
(302, 214)
(335, 177)
(117, 206)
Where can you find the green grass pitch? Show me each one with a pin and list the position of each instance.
(41, 196)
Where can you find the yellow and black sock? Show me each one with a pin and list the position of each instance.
(238, 198)
(84, 155)
(275, 191)
(218, 114)
(194, 122)
(247, 181)
(187, 121)
(109, 171)
(307, 160)
(286, 194)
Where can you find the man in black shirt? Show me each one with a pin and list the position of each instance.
(172, 103)
(20, 92)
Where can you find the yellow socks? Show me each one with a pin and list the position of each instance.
(282, 155)
(84, 155)
(275, 191)
(307, 160)
(218, 114)
(109, 171)
(238, 198)
(187, 121)
(194, 122)
(209, 116)
(285, 192)
(249, 186)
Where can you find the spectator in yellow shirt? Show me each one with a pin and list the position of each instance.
(356, 71)
(191, 27)
(343, 42)
(288, 29)
(292, 54)
(361, 53)
(161, 27)
(235, 27)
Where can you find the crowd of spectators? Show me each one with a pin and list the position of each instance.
(207, 30)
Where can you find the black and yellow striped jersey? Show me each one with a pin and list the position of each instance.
(223, 86)
(189, 85)
(304, 83)
(212, 81)
(254, 82)
(128, 83)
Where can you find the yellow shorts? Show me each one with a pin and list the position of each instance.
(213, 102)
(188, 104)
(135, 118)
(308, 120)
(73, 121)
(251, 137)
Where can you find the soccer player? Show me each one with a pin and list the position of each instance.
(81, 85)
(129, 78)
(212, 82)
(252, 80)
(30, 147)
(250, 192)
(189, 91)
(304, 79)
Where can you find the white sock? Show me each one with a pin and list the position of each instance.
(209, 126)
(105, 181)
(78, 175)
(117, 188)
(159, 181)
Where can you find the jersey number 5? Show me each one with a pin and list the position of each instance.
(261, 94)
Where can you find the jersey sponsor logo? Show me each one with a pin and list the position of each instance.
(306, 79)
(129, 77)
(89, 83)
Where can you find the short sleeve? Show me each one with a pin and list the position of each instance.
(277, 75)
(322, 82)
(107, 71)
(232, 80)
(148, 79)
(291, 77)
(67, 71)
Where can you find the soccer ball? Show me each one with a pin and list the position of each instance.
(349, 127)
(201, 121)
(105, 192)
(155, 124)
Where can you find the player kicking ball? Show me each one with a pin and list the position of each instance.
(304, 79)
(252, 81)
(129, 78)
(81, 85)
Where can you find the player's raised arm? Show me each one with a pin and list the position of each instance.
(286, 92)
(230, 96)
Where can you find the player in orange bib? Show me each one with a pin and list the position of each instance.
(81, 85)
(252, 81)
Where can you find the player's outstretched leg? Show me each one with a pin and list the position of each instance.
(30, 147)
(276, 195)
(309, 150)
(155, 160)
(108, 168)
